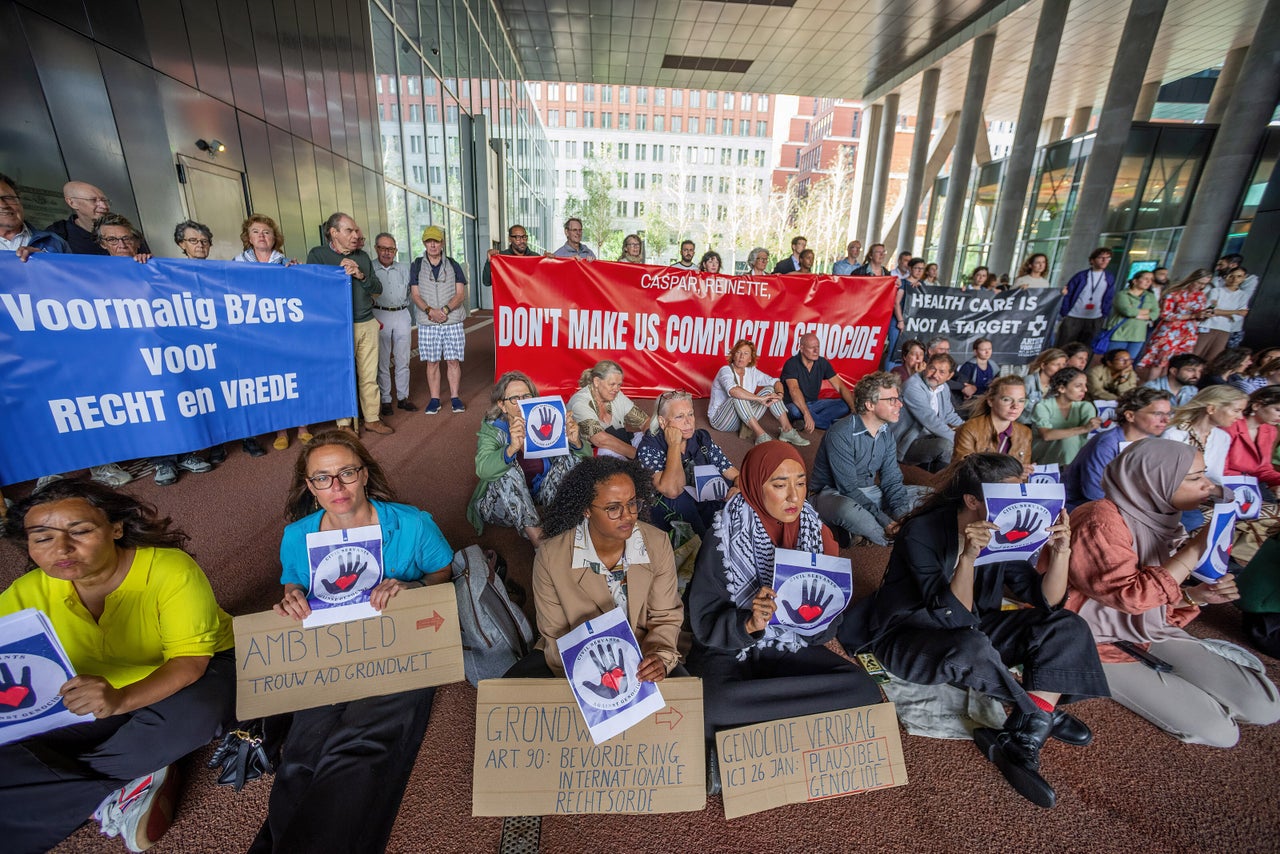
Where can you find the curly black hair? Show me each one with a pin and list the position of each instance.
(578, 490)
(143, 525)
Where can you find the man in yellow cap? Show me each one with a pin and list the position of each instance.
(438, 287)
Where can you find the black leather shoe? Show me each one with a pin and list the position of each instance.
(1025, 779)
(251, 447)
(1027, 732)
(406, 404)
(1069, 729)
(218, 455)
(386, 409)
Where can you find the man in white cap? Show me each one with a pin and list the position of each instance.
(437, 285)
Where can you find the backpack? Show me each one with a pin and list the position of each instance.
(495, 633)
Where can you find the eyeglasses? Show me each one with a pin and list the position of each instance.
(99, 200)
(615, 511)
(197, 241)
(324, 481)
(119, 241)
(896, 401)
(518, 236)
(517, 397)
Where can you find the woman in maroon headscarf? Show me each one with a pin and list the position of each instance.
(753, 671)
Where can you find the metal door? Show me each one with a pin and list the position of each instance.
(215, 195)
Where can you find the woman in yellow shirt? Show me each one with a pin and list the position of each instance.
(153, 654)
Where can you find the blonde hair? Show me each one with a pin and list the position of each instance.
(599, 371)
(1215, 395)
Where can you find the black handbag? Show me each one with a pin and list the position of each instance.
(245, 753)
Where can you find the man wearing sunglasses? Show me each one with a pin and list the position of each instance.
(856, 451)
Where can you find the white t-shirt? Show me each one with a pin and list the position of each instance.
(1227, 300)
(1095, 285)
(1215, 450)
(752, 379)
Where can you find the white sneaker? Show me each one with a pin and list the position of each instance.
(794, 438)
(110, 475)
(192, 463)
(142, 811)
(47, 479)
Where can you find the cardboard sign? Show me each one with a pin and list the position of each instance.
(283, 666)
(812, 590)
(544, 427)
(1046, 473)
(813, 758)
(33, 668)
(1023, 513)
(534, 754)
(601, 659)
(1248, 498)
(345, 567)
(1222, 529)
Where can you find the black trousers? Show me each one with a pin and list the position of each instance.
(1055, 648)
(772, 684)
(342, 774)
(50, 784)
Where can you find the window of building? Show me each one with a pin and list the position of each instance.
(758, 158)
(726, 127)
(708, 155)
(588, 120)
(759, 186)
(589, 93)
(571, 118)
(641, 151)
(637, 209)
(708, 183)
(555, 147)
(691, 183)
(413, 85)
(677, 97)
(553, 91)
(624, 151)
(660, 97)
(395, 112)
(606, 94)
(571, 148)
(415, 112)
(642, 95)
(690, 154)
(624, 121)
(537, 90)
(675, 124)
(695, 98)
(722, 213)
(655, 180)
(642, 122)
(433, 114)
(553, 118)
(606, 120)
(659, 123)
(705, 211)
(711, 100)
(379, 84)
(659, 153)
(723, 184)
(451, 114)
(571, 92)
(762, 128)
(762, 103)
(415, 144)
(624, 95)
(588, 150)
(726, 157)
(621, 180)
(621, 208)
(744, 128)
(419, 175)
(639, 176)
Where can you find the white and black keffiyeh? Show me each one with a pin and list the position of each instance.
(748, 556)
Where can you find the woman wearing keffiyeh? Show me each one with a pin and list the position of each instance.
(752, 671)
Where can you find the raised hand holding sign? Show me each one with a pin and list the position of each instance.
(812, 590)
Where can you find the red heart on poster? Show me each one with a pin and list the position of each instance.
(1244, 508)
(344, 582)
(809, 613)
(1014, 536)
(545, 431)
(612, 679)
(1106, 424)
(14, 695)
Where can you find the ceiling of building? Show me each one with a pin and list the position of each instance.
(858, 48)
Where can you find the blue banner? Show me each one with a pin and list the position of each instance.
(106, 359)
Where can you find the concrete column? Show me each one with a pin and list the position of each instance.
(975, 90)
(1010, 208)
(1052, 129)
(1226, 84)
(1226, 172)
(1136, 41)
(865, 170)
(884, 162)
(1080, 120)
(1147, 97)
(914, 189)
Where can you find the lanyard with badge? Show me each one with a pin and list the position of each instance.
(1096, 287)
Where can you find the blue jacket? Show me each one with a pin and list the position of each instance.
(918, 418)
(1083, 478)
(849, 459)
(1077, 284)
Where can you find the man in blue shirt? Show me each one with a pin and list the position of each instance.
(1185, 370)
(573, 245)
(855, 452)
(1140, 413)
(846, 265)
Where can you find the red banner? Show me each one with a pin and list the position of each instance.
(672, 328)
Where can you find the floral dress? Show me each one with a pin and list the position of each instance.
(1176, 333)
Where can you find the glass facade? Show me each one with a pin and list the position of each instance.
(1148, 207)
(446, 81)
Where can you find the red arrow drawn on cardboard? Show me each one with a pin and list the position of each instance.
(434, 621)
(665, 717)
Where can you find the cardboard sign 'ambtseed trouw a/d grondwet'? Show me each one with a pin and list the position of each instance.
(535, 756)
(813, 758)
(283, 667)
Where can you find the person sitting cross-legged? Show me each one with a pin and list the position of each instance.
(926, 431)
